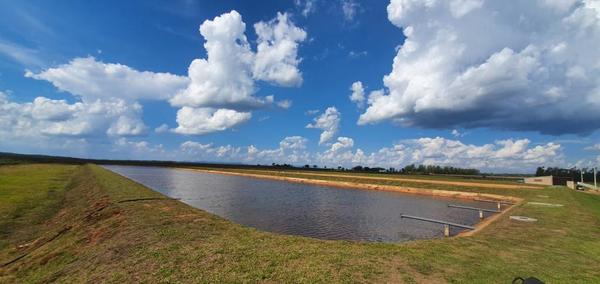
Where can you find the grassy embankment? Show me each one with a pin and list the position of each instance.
(67, 224)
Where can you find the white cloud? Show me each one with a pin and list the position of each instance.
(293, 142)
(342, 143)
(48, 117)
(106, 93)
(595, 147)
(307, 7)
(226, 78)
(92, 80)
(457, 133)
(510, 155)
(358, 93)
(127, 125)
(196, 147)
(292, 150)
(285, 104)
(23, 55)
(140, 149)
(505, 155)
(206, 120)
(53, 110)
(222, 86)
(473, 63)
(329, 122)
(162, 128)
(276, 58)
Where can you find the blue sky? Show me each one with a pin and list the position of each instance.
(476, 88)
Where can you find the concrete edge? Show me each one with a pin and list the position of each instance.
(486, 222)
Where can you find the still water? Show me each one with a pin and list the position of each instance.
(306, 210)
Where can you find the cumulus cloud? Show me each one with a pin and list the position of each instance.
(358, 93)
(107, 94)
(472, 63)
(127, 125)
(162, 128)
(222, 87)
(142, 150)
(293, 142)
(48, 117)
(292, 150)
(226, 78)
(208, 152)
(215, 96)
(276, 58)
(329, 122)
(342, 143)
(92, 80)
(503, 155)
(206, 120)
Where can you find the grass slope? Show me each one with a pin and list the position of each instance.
(87, 234)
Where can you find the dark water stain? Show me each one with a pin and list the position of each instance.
(306, 210)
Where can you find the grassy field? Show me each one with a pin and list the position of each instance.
(86, 224)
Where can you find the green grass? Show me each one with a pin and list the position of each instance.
(28, 195)
(161, 241)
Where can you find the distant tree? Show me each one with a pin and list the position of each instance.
(539, 172)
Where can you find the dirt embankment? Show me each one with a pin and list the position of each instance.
(428, 181)
(344, 184)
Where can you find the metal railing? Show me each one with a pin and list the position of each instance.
(445, 223)
(481, 210)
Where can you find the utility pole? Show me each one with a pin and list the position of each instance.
(595, 174)
(581, 172)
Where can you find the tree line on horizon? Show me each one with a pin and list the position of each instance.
(573, 173)
(408, 169)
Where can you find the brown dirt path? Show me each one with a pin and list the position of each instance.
(445, 182)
